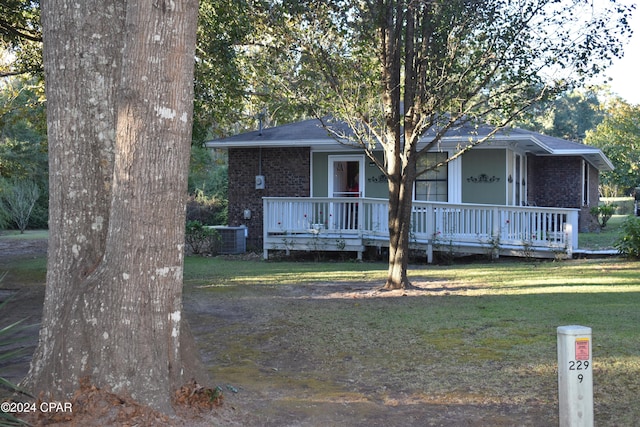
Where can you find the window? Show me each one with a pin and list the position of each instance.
(432, 186)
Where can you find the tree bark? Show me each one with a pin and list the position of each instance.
(119, 82)
(400, 206)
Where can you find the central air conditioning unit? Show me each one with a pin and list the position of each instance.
(233, 240)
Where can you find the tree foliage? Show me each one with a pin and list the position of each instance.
(22, 129)
(23, 148)
(246, 51)
(219, 82)
(618, 136)
(402, 74)
(225, 98)
(208, 187)
(20, 37)
(569, 116)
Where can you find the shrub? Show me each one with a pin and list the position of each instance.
(628, 245)
(603, 213)
(19, 197)
(201, 239)
(206, 209)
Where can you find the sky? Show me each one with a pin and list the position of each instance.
(625, 72)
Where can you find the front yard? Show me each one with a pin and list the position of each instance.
(316, 343)
(476, 344)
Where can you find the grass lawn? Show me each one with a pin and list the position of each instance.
(605, 238)
(482, 332)
(27, 235)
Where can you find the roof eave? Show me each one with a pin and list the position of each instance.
(270, 143)
(591, 154)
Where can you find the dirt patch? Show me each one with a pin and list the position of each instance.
(11, 249)
(258, 345)
(254, 341)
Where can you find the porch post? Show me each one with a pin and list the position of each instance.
(265, 214)
(360, 219)
(571, 230)
(496, 225)
(430, 230)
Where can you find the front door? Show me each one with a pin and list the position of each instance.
(345, 177)
(345, 180)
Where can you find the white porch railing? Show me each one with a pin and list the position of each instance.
(506, 227)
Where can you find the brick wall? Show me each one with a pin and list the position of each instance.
(557, 182)
(587, 221)
(286, 172)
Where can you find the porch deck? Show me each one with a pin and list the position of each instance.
(353, 224)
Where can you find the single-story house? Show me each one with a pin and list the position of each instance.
(296, 180)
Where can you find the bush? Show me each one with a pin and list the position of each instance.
(603, 213)
(201, 239)
(628, 245)
(207, 210)
(38, 218)
(19, 197)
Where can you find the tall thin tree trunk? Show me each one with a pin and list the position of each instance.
(400, 164)
(119, 79)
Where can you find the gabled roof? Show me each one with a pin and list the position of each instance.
(310, 133)
(545, 145)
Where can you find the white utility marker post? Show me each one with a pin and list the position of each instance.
(575, 376)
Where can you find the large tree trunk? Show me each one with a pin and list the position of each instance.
(400, 206)
(119, 80)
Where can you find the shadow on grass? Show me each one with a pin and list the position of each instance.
(319, 342)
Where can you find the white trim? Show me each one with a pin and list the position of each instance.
(525, 176)
(509, 167)
(311, 186)
(518, 197)
(455, 181)
(586, 184)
